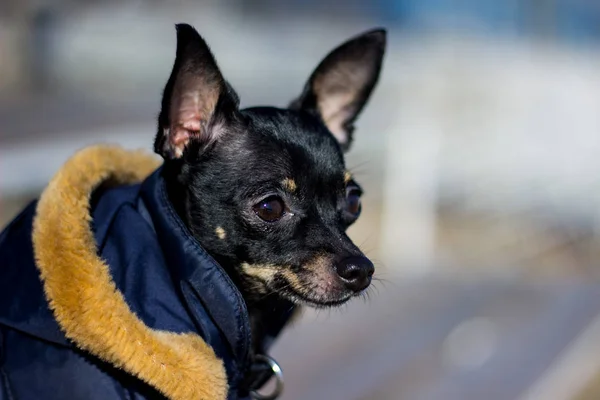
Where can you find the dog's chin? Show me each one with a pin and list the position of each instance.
(316, 300)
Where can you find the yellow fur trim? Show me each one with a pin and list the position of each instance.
(86, 303)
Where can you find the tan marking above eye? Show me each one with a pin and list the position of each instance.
(347, 177)
(220, 232)
(289, 184)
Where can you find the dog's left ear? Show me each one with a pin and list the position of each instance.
(198, 104)
(339, 88)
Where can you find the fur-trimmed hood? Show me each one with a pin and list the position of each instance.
(123, 280)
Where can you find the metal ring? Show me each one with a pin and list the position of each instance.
(277, 372)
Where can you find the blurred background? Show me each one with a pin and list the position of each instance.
(479, 153)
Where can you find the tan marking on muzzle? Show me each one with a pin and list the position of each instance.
(320, 262)
(263, 272)
(293, 280)
(319, 268)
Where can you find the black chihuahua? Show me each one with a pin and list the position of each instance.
(108, 283)
(265, 190)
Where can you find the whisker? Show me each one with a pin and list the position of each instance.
(356, 167)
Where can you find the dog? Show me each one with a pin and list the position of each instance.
(128, 278)
(265, 190)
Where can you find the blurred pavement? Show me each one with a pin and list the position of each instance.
(435, 339)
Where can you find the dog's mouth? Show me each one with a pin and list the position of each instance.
(321, 287)
(315, 301)
(310, 296)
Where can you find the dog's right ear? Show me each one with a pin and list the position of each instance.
(197, 102)
(341, 85)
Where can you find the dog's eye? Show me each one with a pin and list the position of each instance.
(270, 209)
(353, 201)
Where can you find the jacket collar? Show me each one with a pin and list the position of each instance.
(85, 301)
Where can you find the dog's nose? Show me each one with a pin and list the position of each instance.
(356, 272)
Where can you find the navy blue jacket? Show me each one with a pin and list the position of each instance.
(165, 277)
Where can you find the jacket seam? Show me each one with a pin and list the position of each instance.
(6, 384)
(4, 377)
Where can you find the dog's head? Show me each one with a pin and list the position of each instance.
(265, 190)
